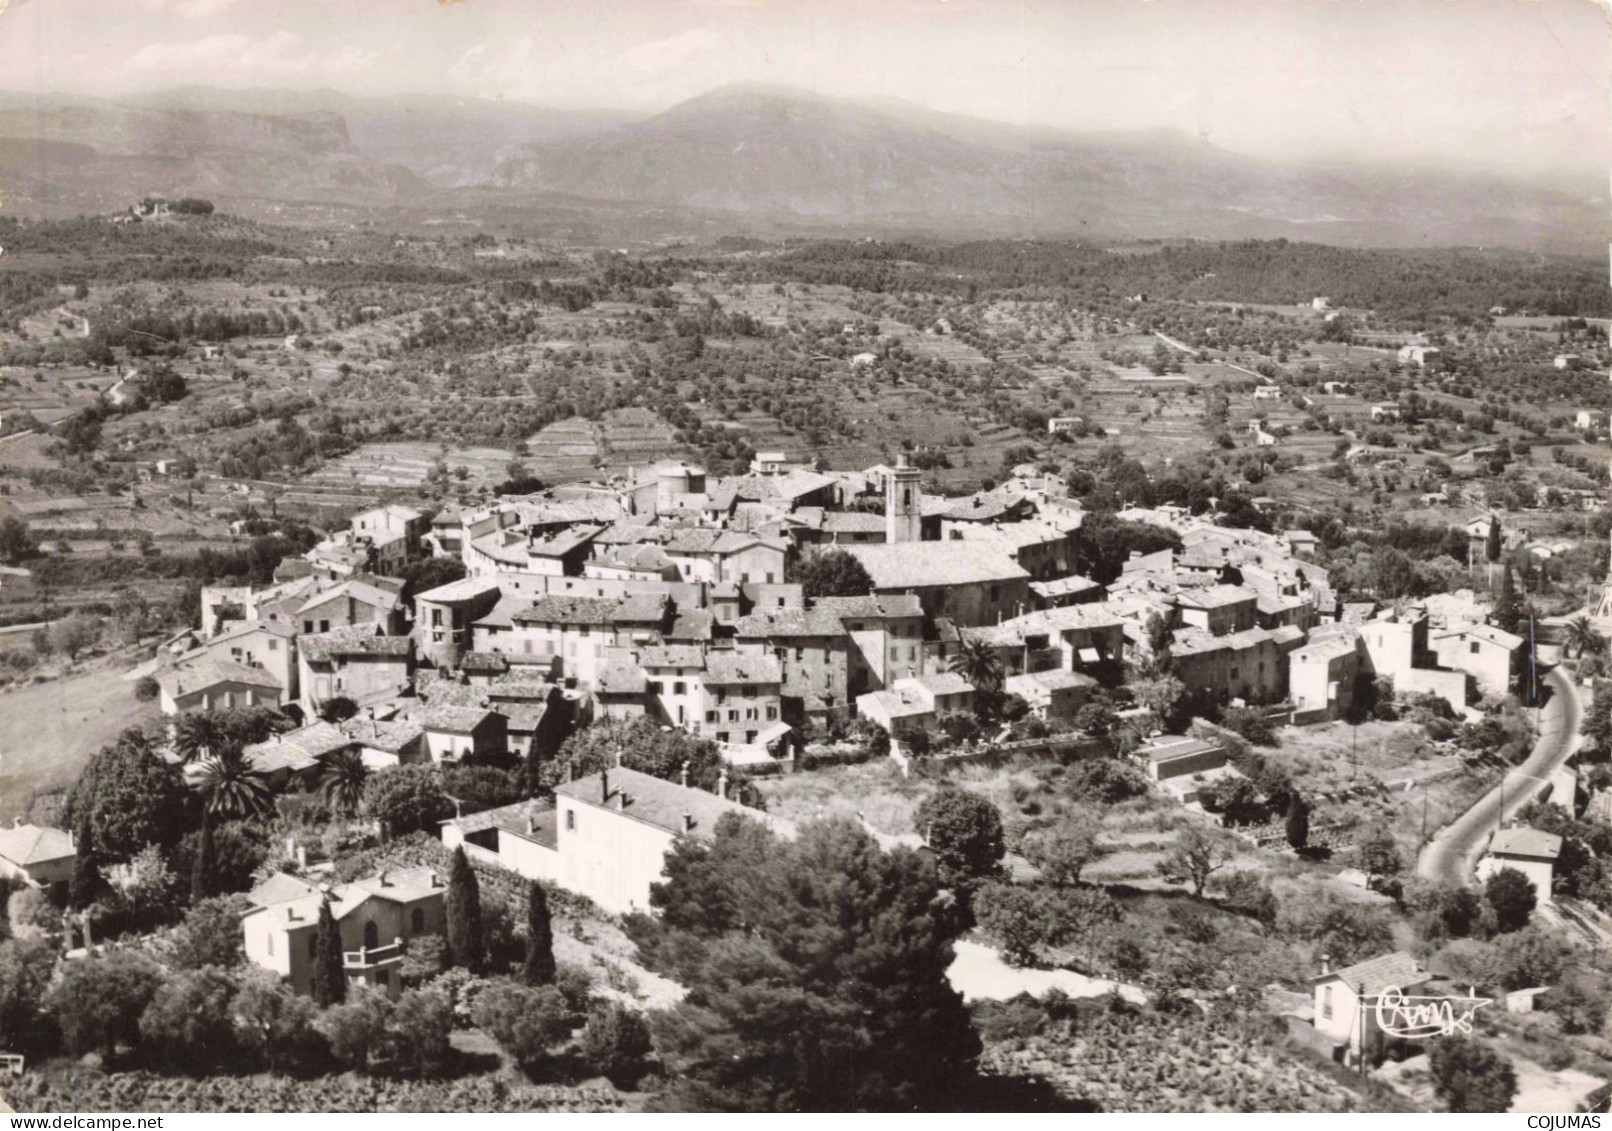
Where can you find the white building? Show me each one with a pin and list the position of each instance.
(606, 837)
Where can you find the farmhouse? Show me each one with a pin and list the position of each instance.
(1489, 655)
(208, 683)
(606, 837)
(376, 917)
(1345, 1004)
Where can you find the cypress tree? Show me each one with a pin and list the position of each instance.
(202, 883)
(1508, 606)
(86, 884)
(1491, 544)
(1298, 822)
(538, 969)
(467, 945)
(329, 977)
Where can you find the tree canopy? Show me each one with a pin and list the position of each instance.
(816, 971)
(832, 573)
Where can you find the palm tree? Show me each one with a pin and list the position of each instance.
(976, 662)
(196, 736)
(1582, 637)
(343, 780)
(232, 787)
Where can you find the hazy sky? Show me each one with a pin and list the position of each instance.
(1518, 85)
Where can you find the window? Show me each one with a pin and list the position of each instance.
(271, 943)
(307, 626)
(1326, 1002)
(710, 716)
(800, 654)
(372, 934)
(750, 714)
(324, 626)
(436, 618)
(1474, 647)
(570, 820)
(733, 714)
(679, 688)
(417, 920)
(772, 714)
(274, 645)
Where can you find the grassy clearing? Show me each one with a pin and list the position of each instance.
(49, 731)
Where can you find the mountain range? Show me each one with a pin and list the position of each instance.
(747, 157)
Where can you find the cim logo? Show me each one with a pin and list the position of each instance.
(1417, 1018)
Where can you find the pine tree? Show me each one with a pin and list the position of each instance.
(1491, 545)
(329, 976)
(467, 945)
(1298, 822)
(539, 967)
(86, 883)
(202, 882)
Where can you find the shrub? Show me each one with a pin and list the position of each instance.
(189, 1024)
(615, 1042)
(526, 1021)
(356, 1029)
(417, 1031)
(575, 984)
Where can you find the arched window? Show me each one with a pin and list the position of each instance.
(417, 920)
(372, 934)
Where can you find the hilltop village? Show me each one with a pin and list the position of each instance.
(483, 672)
(781, 623)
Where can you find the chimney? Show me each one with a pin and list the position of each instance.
(1326, 964)
(16, 822)
(436, 880)
(722, 784)
(688, 822)
(684, 775)
(385, 882)
(604, 785)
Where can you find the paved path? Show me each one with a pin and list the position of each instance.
(1451, 856)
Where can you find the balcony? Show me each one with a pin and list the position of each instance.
(368, 958)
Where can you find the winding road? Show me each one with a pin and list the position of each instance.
(1451, 856)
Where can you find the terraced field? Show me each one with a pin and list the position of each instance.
(565, 450)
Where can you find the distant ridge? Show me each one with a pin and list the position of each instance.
(751, 152)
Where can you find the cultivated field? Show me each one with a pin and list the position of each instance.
(48, 731)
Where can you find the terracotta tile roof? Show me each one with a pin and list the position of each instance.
(190, 676)
(1526, 842)
(663, 804)
(465, 589)
(34, 844)
(355, 640)
(1375, 975)
(930, 564)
